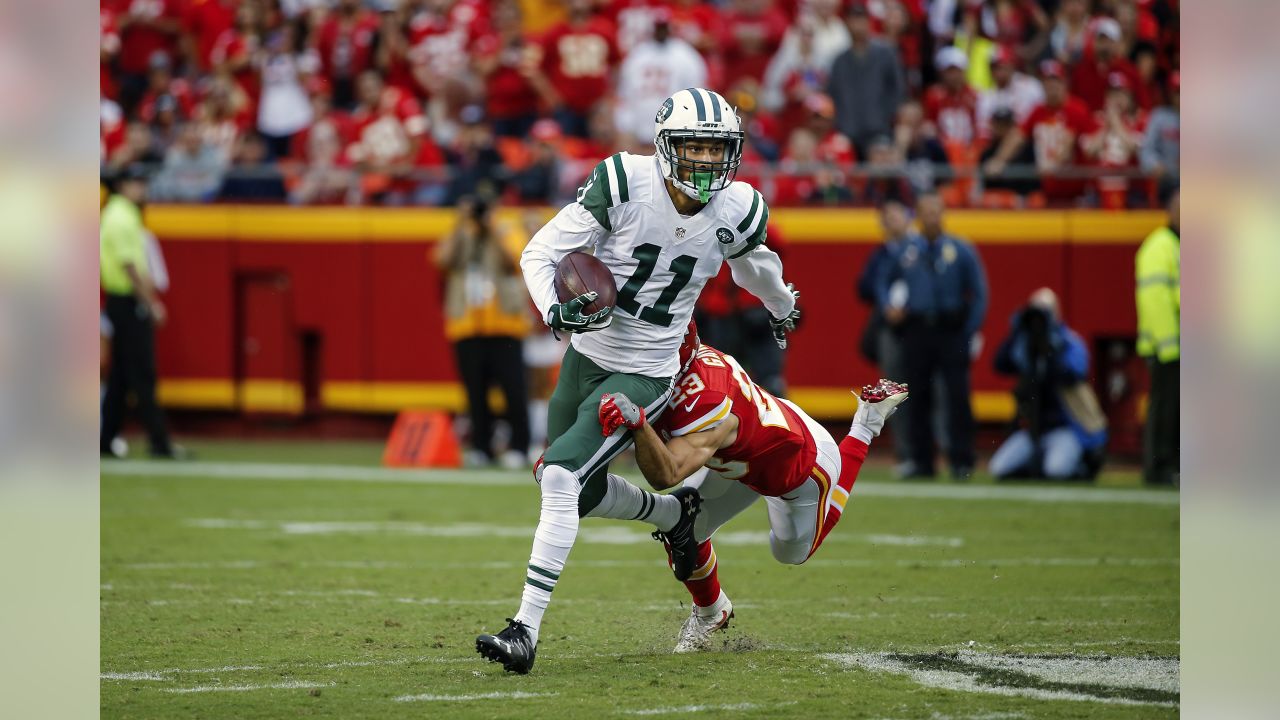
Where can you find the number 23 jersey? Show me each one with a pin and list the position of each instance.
(774, 451)
(660, 259)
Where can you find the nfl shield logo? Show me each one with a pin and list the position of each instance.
(725, 235)
(679, 233)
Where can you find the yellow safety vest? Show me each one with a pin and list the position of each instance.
(1159, 295)
(121, 243)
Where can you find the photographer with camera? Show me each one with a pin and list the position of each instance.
(486, 318)
(1062, 432)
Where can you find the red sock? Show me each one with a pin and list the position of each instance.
(704, 584)
(852, 454)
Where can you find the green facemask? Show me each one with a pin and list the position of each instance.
(702, 181)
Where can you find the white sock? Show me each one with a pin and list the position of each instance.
(552, 541)
(624, 501)
(715, 607)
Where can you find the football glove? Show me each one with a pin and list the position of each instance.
(616, 410)
(567, 316)
(782, 326)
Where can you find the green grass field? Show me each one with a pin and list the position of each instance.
(341, 590)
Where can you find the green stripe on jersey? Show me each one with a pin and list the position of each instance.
(757, 238)
(595, 196)
(545, 573)
(751, 214)
(623, 194)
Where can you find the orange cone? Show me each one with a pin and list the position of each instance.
(422, 439)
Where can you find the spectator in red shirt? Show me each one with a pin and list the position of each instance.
(441, 34)
(1054, 128)
(204, 21)
(751, 33)
(345, 42)
(327, 175)
(506, 60)
(1116, 143)
(389, 138)
(833, 147)
(577, 57)
(1090, 76)
(236, 50)
(950, 104)
(147, 28)
(108, 49)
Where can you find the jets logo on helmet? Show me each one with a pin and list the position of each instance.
(698, 113)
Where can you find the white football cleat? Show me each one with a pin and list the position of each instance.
(876, 403)
(695, 634)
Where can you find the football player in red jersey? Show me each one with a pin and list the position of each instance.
(753, 445)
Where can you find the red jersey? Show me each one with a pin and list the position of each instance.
(384, 135)
(577, 60)
(231, 46)
(774, 452)
(953, 113)
(206, 20)
(1056, 133)
(439, 45)
(346, 45)
(140, 39)
(510, 94)
(749, 42)
(1089, 81)
(108, 47)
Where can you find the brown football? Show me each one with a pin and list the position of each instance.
(579, 273)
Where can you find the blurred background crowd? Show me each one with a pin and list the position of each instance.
(992, 103)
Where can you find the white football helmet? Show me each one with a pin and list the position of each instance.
(697, 113)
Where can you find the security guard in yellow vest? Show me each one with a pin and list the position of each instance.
(487, 315)
(1159, 297)
(135, 310)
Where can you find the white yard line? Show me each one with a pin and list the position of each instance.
(285, 685)
(689, 709)
(517, 695)
(355, 473)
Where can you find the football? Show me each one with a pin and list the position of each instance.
(579, 273)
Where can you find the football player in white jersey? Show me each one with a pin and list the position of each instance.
(663, 224)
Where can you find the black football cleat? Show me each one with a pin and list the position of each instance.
(513, 647)
(679, 540)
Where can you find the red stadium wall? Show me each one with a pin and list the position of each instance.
(282, 310)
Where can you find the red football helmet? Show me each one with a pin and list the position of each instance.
(689, 347)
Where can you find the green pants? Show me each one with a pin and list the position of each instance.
(573, 421)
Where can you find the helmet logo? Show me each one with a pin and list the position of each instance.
(725, 235)
(665, 111)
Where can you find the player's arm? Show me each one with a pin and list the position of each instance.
(759, 272)
(666, 465)
(572, 229)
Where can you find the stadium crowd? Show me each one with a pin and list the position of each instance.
(1003, 103)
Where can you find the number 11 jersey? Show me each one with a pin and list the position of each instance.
(660, 259)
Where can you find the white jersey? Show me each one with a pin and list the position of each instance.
(660, 259)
